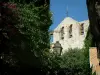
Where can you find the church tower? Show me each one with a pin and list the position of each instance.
(70, 33)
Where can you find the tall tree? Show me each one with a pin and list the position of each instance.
(93, 7)
(24, 32)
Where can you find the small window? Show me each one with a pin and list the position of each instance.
(82, 29)
(62, 33)
(70, 31)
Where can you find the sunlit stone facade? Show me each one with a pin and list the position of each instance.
(71, 33)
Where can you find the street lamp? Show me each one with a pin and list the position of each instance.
(57, 49)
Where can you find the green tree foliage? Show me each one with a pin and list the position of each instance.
(35, 2)
(72, 55)
(28, 33)
(87, 44)
(73, 60)
(33, 26)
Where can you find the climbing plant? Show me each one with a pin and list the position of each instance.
(26, 31)
(87, 44)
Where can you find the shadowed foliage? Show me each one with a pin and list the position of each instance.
(24, 35)
(93, 7)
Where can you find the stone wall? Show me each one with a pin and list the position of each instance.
(77, 40)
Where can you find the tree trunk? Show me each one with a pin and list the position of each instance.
(93, 7)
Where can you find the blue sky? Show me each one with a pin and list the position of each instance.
(77, 9)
